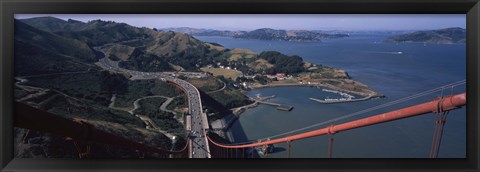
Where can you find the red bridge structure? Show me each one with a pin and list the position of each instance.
(441, 106)
(32, 118)
(78, 130)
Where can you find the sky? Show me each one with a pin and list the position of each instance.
(353, 22)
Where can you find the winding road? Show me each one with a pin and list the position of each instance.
(199, 147)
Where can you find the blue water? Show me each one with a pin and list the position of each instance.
(367, 59)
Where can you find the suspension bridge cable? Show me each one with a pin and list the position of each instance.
(454, 84)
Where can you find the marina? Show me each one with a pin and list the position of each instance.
(341, 100)
(345, 95)
(345, 98)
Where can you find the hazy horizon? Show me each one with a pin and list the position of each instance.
(236, 22)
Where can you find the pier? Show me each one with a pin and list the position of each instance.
(262, 100)
(279, 106)
(331, 101)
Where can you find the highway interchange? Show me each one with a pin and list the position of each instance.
(198, 147)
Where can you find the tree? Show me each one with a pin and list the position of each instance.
(262, 79)
(283, 63)
(112, 83)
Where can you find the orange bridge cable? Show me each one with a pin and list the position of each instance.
(35, 119)
(243, 153)
(440, 117)
(330, 146)
(435, 133)
(452, 85)
(289, 148)
(253, 150)
(437, 139)
(449, 103)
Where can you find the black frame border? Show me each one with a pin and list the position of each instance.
(9, 7)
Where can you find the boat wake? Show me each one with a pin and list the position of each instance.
(385, 52)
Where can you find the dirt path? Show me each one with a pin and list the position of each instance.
(40, 91)
(163, 107)
(150, 124)
(136, 103)
(30, 96)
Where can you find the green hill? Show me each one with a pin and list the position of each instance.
(38, 52)
(174, 47)
(441, 36)
(49, 24)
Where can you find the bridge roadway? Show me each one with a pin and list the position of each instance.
(198, 143)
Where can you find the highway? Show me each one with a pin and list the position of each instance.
(199, 143)
(199, 124)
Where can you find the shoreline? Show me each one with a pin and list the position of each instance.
(236, 112)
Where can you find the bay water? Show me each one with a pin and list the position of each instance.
(396, 70)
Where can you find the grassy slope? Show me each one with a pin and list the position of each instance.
(38, 52)
(227, 73)
(89, 100)
(165, 120)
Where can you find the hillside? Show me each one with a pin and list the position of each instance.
(161, 46)
(150, 50)
(119, 52)
(441, 36)
(282, 63)
(39, 52)
(182, 49)
(240, 53)
(49, 24)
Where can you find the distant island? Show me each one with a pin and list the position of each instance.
(454, 35)
(204, 32)
(264, 34)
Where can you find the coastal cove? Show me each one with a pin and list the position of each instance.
(369, 60)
